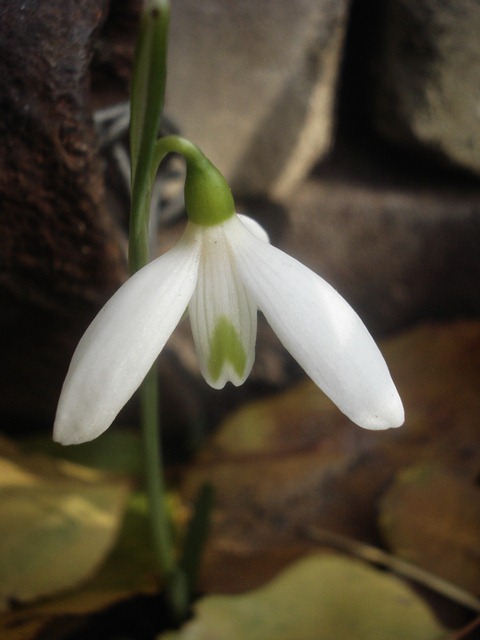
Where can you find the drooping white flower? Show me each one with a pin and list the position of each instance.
(224, 273)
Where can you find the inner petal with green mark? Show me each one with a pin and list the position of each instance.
(226, 347)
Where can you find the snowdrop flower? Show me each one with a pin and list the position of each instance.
(223, 270)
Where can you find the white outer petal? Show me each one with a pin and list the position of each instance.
(255, 227)
(321, 331)
(220, 292)
(121, 344)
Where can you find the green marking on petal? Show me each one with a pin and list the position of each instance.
(226, 347)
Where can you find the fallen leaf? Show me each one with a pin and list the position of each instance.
(320, 597)
(116, 450)
(431, 517)
(292, 461)
(129, 569)
(58, 521)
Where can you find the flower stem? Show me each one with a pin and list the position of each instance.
(208, 198)
(208, 201)
(146, 107)
(147, 97)
(160, 520)
(176, 585)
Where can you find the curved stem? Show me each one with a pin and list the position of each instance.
(208, 198)
(175, 144)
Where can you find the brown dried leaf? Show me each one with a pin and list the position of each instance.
(431, 517)
(286, 463)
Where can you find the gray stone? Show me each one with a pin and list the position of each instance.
(398, 248)
(428, 81)
(253, 84)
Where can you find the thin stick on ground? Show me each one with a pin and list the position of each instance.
(396, 565)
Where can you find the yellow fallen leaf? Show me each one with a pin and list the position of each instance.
(57, 523)
(321, 597)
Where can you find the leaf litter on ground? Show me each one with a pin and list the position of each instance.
(290, 463)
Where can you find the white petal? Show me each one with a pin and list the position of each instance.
(255, 227)
(222, 314)
(122, 342)
(322, 332)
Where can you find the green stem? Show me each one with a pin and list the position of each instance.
(147, 97)
(138, 248)
(176, 144)
(177, 589)
(208, 198)
(148, 84)
(146, 106)
(208, 201)
(160, 519)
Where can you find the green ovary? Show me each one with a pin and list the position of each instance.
(226, 347)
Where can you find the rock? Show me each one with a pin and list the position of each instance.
(399, 243)
(427, 77)
(253, 84)
(58, 238)
(62, 252)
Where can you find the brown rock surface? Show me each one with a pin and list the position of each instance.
(61, 252)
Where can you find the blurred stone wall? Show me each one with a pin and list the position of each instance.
(350, 129)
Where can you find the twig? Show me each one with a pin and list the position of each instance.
(461, 634)
(397, 565)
